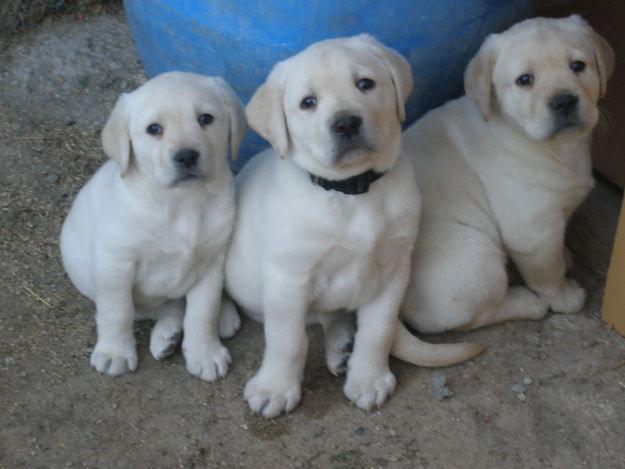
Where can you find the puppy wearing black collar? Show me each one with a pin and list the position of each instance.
(326, 223)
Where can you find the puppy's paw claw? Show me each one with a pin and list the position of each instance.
(339, 346)
(337, 359)
(162, 346)
(369, 390)
(270, 397)
(570, 300)
(114, 359)
(207, 363)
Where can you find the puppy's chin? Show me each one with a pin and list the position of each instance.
(546, 131)
(190, 178)
(577, 127)
(351, 154)
(566, 128)
(325, 167)
(184, 179)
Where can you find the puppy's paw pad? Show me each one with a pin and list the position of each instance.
(229, 320)
(114, 360)
(369, 390)
(163, 345)
(207, 363)
(270, 397)
(570, 300)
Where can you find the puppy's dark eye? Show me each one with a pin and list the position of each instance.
(154, 129)
(205, 119)
(577, 66)
(525, 80)
(365, 84)
(308, 102)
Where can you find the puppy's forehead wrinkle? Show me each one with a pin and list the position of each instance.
(338, 58)
(554, 49)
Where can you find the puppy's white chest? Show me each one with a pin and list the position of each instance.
(351, 270)
(172, 259)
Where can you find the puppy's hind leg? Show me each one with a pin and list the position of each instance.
(167, 332)
(339, 330)
(229, 320)
(519, 303)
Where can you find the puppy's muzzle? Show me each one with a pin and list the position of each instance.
(564, 108)
(349, 139)
(186, 158)
(563, 105)
(186, 161)
(346, 126)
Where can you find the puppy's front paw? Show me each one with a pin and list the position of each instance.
(369, 388)
(114, 359)
(570, 299)
(269, 396)
(207, 362)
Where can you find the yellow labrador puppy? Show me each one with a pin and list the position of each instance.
(501, 170)
(326, 222)
(147, 235)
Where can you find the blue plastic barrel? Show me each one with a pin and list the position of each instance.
(241, 39)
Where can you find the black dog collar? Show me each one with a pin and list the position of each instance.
(354, 185)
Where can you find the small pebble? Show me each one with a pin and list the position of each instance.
(521, 396)
(527, 381)
(359, 431)
(440, 388)
(393, 433)
(517, 388)
(52, 178)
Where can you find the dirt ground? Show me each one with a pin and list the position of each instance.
(545, 394)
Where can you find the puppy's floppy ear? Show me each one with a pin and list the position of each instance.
(236, 112)
(116, 136)
(265, 111)
(478, 76)
(399, 68)
(604, 55)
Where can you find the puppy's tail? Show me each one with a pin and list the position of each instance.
(413, 350)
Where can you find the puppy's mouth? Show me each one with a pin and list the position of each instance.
(346, 151)
(187, 175)
(566, 126)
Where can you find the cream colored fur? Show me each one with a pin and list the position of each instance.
(500, 177)
(145, 240)
(300, 253)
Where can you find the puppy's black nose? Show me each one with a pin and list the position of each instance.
(186, 158)
(347, 125)
(563, 103)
